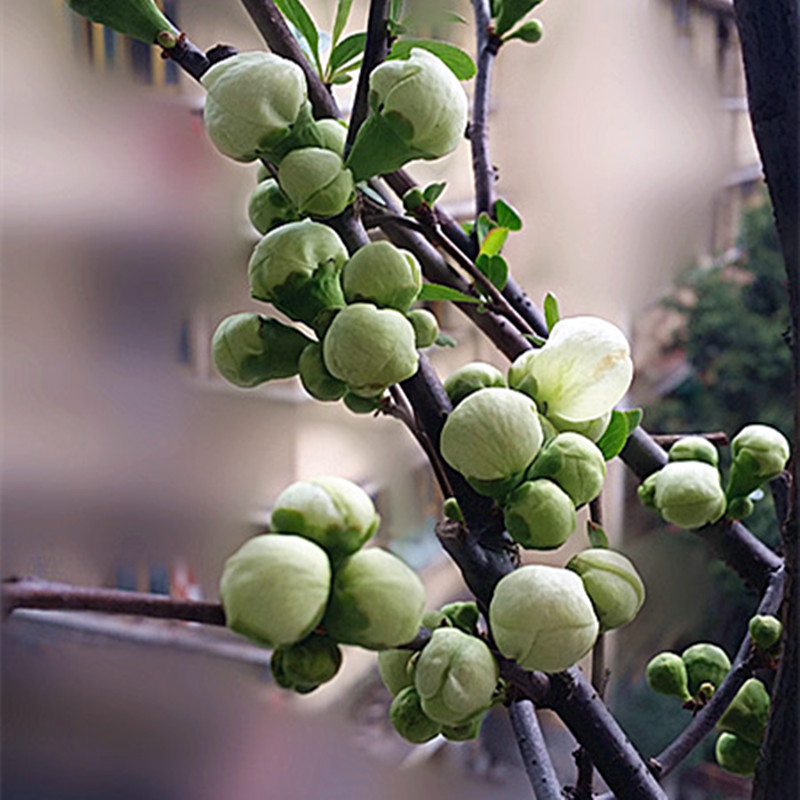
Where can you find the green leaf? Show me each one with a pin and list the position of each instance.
(495, 268)
(493, 242)
(460, 63)
(341, 77)
(454, 16)
(531, 32)
(597, 536)
(551, 312)
(349, 48)
(366, 189)
(296, 13)
(443, 340)
(435, 291)
(342, 15)
(484, 225)
(395, 10)
(511, 12)
(432, 192)
(615, 436)
(634, 417)
(534, 338)
(507, 217)
(468, 227)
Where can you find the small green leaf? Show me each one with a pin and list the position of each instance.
(597, 536)
(615, 436)
(493, 242)
(349, 48)
(395, 28)
(435, 291)
(453, 16)
(395, 10)
(468, 227)
(511, 12)
(460, 63)
(551, 312)
(633, 417)
(296, 13)
(366, 189)
(531, 32)
(484, 225)
(341, 77)
(507, 217)
(443, 340)
(432, 192)
(534, 338)
(342, 15)
(495, 268)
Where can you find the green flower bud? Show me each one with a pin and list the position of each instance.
(666, 674)
(269, 207)
(305, 665)
(539, 515)
(706, 692)
(705, 663)
(377, 601)
(434, 619)
(465, 731)
(370, 348)
(333, 133)
(765, 631)
(333, 512)
(409, 720)
(396, 668)
(759, 454)
(361, 405)
(647, 491)
(735, 755)
(452, 510)
(249, 349)
(456, 676)
(418, 109)
(471, 377)
(582, 371)
(382, 274)
(613, 584)
(316, 181)
(462, 615)
(530, 32)
(694, 448)
(748, 712)
(274, 589)
(739, 508)
(491, 437)
(686, 493)
(413, 199)
(253, 101)
(592, 428)
(426, 326)
(542, 618)
(316, 379)
(575, 463)
(139, 19)
(296, 268)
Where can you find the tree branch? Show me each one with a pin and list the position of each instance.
(533, 749)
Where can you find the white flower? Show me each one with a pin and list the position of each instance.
(582, 371)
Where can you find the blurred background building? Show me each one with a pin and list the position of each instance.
(624, 142)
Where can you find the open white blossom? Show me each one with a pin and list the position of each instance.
(582, 371)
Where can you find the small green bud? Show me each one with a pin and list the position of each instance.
(333, 512)
(384, 275)
(739, 508)
(456, 676)
(686, 493)
(765, 631)
(666, 674)
(694, 448)
(530, 32)
(252, 102)
(409, 720)
(464, 732)
(376, 602)
(370, 348)
(759, 454)
(396, 668)
(471, 377)
(705, 663)
(575, 463)
(591, 428)
(613, 584)
(418, 109)
(452, 510)
(434, 619)
(139, 19)
(316, 181)
(361, 405)
(462, 615)
(539, 515)
(426, 326)
(748, 712)
(333, 133)
(269, 207)
(249, 349)
(316, 379)
(706, 692)
(735, 755)
(413, 199)
(542, 618)
(296, 268)
(305, 665)
(491, 437)
(274, 589)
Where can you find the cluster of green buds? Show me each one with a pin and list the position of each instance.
(447, 687)
(693, 676)
(688, 490)
(307, 587)
(743, 724)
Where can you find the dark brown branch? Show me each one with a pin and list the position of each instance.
(533, 749)
(188, 56)
(666, 440)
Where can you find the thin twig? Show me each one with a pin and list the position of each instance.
(533, 749)
(188, 56)
(666, 440)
